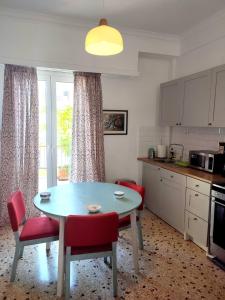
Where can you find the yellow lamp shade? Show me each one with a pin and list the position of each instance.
(104, 40)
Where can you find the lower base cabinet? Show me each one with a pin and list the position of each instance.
(165, 194)
(196, 229)
(179, 200)
(172, 197)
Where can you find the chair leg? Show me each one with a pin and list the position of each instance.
(67, 279)
(48, 246)
(114, 269)
(21, 251)
(105, 260)
(109, 264)
(140, 237)
(15, 261)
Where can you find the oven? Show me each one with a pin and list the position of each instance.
(217, 224)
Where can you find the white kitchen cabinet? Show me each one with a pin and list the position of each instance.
(179, 200)
(217, 105)
(197, 204)
(197, 211)
(151, 182)
(198, 186)
(171, 103)
(172, 194)
(197, 229)
(165, 194)
(196, 99)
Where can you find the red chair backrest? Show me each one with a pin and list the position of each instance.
(16, 209)
(138, 188)
(93, 230)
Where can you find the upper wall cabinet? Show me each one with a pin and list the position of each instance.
(217, 105)
(196, 99)
(170, 105)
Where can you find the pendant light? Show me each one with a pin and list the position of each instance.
(104, 40)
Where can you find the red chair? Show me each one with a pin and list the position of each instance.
(88, 237)
(34, 231)
(124, 223)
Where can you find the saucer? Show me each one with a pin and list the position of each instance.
(45, 196)
(93, 208)
(119, 194)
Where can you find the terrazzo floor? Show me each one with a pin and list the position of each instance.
(170, 269)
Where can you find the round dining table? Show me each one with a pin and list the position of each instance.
(73, 199)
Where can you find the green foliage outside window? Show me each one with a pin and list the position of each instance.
(64, 126)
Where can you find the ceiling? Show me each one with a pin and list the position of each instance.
(164, 16)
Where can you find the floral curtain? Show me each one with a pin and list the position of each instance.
(19, 137)
(88, 159)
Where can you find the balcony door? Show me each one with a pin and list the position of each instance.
(55, 127)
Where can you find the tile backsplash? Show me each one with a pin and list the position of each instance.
(152, 136)
(197, 138)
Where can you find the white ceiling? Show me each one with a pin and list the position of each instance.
(164, 16)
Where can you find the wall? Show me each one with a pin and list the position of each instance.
(203, 47)
(53, 42)
(197, 138)
(140, 96)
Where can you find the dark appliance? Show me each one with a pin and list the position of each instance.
(217, 224)
(207, 160)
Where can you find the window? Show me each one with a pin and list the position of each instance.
(55, 127)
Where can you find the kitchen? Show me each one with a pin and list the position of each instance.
(174, 46)
(186, 189)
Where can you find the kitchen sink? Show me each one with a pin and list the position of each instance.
(165, 160)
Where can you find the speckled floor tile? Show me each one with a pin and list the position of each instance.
(170, 269)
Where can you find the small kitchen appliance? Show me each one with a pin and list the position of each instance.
(207, 160)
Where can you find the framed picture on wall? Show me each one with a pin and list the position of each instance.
(115, 122)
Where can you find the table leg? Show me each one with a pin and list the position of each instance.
(134, 240)
(61, 257)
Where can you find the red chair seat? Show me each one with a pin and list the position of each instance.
(40, 227)
(125, 221)
(91, 249)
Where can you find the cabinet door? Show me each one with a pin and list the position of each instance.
(151, 182)
(196, 99)
(217, 108)
(197, 229)
(173, 202)
(170, 102)
(197, 204)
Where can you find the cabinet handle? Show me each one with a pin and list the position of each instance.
(188, 222)
(209, 124)
(196, 195)
(195, 219)
(161, 179)
(180, 123)
(197, 185)
(171, 176)
(177, 124)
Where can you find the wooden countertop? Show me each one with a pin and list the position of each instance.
(197, 174)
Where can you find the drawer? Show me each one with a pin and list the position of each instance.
(197, 229)
(197, 204)
(173, 177)
(198, 186)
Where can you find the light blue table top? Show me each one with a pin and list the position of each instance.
(73, 198)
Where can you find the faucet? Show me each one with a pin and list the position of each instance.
(172, 152)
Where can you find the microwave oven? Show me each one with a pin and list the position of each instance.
(207, 160)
